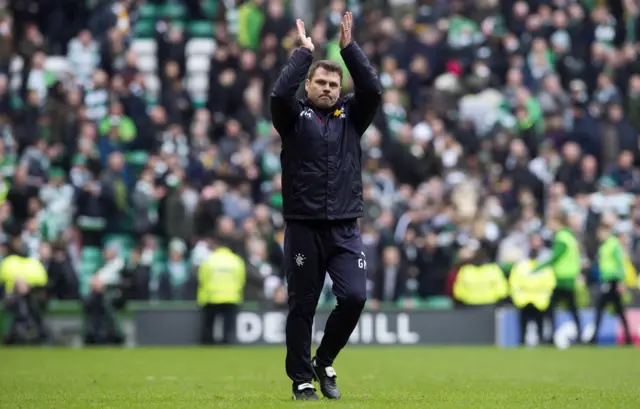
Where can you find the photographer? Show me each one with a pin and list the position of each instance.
(107, 295)
(24, 280)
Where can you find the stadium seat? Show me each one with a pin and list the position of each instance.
(408, 302)
(125, 241)
(144, 29)
(200, 46)
(210, 7)
(144, 46)
(200, 29)
(198, 64)
(84, 285)
(90, 261)
(137, 158)
(147, 63)
(178, 24)
(197, 84)
(16, 65)
(199, 100)
(440, 303)
(87, 269)
(56, 64)
(148, 12)
(91, 254)
(160, 257)
(173, 11)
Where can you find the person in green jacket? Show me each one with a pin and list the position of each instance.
(565, 261)
(611, 268)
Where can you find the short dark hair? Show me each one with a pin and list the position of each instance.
(327, 65)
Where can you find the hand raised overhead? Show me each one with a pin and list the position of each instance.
(345, 29)
(302, 36)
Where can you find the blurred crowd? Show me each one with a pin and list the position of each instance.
(498, 116)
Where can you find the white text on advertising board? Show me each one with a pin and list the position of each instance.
(375, 328)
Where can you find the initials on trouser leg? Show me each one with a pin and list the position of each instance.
(347, 269)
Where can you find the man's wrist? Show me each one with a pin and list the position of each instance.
(346, 45)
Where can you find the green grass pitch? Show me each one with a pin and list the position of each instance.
(370, 377)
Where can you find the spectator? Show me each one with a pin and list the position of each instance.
(24, 281)
(6, 42)
(102, 327)
(83, 57)
(178, 271)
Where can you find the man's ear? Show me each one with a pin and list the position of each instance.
(307, 82)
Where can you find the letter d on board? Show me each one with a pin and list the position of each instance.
(274, 323)
(248, 327)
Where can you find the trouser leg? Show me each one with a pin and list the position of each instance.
(348, 271)
(305, 272)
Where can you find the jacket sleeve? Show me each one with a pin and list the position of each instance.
(557, 251)
(367, 89)
(284, 109)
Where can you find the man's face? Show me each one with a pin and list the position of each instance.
(323, 89)
(116, 162)
(45, 252)
(602, 234)
(85, 37)
(625, 160)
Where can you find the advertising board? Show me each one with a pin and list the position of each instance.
(610, 334)
(407, 327)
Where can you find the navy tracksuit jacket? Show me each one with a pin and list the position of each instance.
(322, 200)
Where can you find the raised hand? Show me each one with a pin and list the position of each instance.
(345, 29)
(302, 36)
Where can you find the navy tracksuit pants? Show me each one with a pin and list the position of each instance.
(312, 249)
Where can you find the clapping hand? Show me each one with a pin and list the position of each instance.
(302, 36)
(345, 30)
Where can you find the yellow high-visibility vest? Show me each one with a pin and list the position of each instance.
(531, 288)
(480, 285)
(30, 270)
(221, 278)
(630, 272)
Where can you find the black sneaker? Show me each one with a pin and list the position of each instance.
(326, 377)
(304, 391)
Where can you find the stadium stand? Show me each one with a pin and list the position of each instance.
(497, 117)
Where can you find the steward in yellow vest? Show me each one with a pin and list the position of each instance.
(612, 274)
(221, 280)
(480, 285)
(531, 294)
(24, 280)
